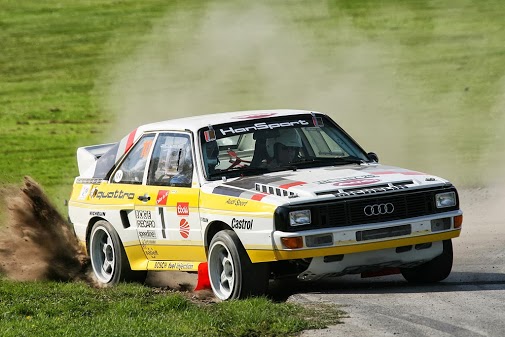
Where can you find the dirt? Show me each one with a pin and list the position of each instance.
(37, 243)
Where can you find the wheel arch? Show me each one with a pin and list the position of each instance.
(212, 229)
(91, 223)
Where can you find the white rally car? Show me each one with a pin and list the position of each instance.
(245, 197)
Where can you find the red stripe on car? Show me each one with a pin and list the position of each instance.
(294, 183)
(258, 196)
(129, 142)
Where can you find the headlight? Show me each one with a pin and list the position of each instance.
(447, 199)
(299, 218)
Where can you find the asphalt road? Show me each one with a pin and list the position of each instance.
(470, 302)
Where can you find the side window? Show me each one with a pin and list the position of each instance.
(172, 161)
(132, 168)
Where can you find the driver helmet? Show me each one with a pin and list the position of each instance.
(287, 137)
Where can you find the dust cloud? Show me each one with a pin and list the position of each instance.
(36, 243)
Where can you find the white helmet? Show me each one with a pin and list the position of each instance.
(287, 137)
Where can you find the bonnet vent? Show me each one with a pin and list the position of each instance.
(274, 190)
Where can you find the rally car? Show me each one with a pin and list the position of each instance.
(246, 197)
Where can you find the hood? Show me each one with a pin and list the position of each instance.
(327, 182)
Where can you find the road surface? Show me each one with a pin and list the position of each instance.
(470, 302)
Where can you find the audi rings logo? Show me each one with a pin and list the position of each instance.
(379, 209)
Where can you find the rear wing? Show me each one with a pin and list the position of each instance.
(88, 155)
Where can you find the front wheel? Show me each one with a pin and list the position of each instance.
(108, 258)
(432, 271)
(231, 273)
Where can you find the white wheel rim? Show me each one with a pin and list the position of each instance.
(103, 259)
(221, 271)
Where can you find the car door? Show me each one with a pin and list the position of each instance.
(166, 211)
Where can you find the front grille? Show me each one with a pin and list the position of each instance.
(351, 211)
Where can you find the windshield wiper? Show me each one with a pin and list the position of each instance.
(314, 162)
(237, 172)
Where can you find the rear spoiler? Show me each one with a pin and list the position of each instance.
(88, 155)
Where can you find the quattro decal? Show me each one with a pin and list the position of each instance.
(95, 193)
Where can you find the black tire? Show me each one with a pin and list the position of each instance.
(232, 274)
(432, 271)
(108, 257)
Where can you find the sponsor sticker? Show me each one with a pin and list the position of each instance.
(351, 181)
(84, 192)
(162, 197)
(183, 208)
(261, 126)
(147, 234)
(184, 228)
(356, 182)
(117, 194)
(97, 213)
(242, 224)
(118, 176)
(174, 265)
(236, 202)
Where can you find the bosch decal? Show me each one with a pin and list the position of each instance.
(162, 197)
(183, 208)
(262, 126)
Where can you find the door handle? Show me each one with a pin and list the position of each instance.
(144, 197)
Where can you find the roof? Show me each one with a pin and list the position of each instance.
(194, 123)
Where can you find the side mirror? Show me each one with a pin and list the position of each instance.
(373, 156)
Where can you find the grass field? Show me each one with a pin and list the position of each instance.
(422, 83)
(57, 309)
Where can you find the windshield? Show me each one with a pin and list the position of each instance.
(260, 146)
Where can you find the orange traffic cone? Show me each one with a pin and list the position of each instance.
(203, 281)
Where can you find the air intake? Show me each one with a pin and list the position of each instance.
(281, 192)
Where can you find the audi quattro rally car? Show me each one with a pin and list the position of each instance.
(244, 197)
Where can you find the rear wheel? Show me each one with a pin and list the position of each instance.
(432, 271)
(108, 258)
(231, 273)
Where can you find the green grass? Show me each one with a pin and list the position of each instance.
(59, 309)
